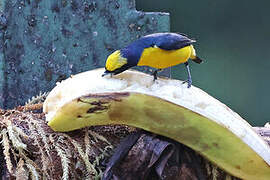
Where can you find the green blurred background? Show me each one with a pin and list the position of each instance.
(233, 38)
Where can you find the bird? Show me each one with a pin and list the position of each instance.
(158, 50)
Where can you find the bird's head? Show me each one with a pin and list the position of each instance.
(116, 64)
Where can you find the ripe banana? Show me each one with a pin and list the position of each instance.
(164, 107)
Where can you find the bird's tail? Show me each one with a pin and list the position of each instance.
(197, 60)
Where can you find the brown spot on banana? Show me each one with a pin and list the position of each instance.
(101, 102)
(97, 109)
(116, 96)
(215, 145)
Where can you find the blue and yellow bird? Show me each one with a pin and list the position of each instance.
(159, 50)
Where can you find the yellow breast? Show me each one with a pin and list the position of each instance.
(159, 58)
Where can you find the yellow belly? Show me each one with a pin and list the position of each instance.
(159, 58)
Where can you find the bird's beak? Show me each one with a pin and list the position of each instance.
(106, 73)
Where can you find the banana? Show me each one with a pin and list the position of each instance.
(166, 107)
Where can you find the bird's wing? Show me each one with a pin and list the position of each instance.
(173, 41)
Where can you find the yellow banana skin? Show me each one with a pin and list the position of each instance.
(210, 139)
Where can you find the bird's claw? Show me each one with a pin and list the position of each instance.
(155, 74)
(189, 82)
(155, 78)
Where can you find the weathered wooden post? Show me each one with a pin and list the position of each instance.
(43, 42)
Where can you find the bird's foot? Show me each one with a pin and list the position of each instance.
(155, 74)
(155, 77)
(189, 82)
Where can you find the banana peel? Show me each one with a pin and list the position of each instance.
(165, 107)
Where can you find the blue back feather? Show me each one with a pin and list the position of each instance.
(166, 41)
